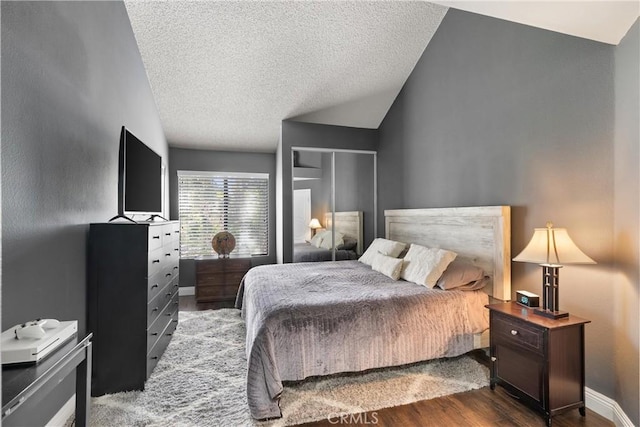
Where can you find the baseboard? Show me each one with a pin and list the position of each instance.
(608, 408)
(62, 416)
(187, 290)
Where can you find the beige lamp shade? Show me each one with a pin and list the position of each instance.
(315, 223)
(552, 246)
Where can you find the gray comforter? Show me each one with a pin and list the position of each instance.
(311, 319)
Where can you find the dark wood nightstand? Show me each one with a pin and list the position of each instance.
(538, 360)
(218, 279)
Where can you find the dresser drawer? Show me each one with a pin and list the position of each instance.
(156, 352)
(505, 330)
(169, 321)
(167, 233)
(155, 330)
(175, 230)
(169, 256)
(167, 316)
(155, 238)
(174, 249)
(159, 283)
(154, 261)
(157, 305)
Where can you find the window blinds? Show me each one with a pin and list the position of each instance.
(210, 202)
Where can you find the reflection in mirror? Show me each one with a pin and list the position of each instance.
(355, 191)
(315, 224)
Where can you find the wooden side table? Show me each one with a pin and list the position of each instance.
(218, 279)
(539, 360)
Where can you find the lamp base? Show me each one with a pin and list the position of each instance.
(550, 313)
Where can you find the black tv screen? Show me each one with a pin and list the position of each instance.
(140, 176)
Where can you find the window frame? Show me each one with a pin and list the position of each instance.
(225, 175)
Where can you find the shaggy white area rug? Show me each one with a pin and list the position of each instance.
(200, 381)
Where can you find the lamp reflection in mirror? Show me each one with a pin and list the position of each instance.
(314, 225)
(552, 248)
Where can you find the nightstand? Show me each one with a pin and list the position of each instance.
(218, 279)
(538, 360)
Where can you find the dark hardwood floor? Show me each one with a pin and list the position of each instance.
(481, 407)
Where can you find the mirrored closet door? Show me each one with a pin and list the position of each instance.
(334, 203)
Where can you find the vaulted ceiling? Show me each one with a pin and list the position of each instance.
(224, 74)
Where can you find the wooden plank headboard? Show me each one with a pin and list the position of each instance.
(349, 224)
(480, 235)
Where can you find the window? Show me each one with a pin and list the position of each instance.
(210, 202)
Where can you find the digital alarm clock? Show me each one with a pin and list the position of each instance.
(527, 299)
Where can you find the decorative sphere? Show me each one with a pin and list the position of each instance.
(223, 243)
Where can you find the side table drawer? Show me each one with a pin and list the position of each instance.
(216, 293)
(512, 332)
(218, 279)
(234, 279)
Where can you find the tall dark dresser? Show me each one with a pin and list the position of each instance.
(132, 300)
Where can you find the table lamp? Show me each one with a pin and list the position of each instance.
(314, 225)
(552, 248)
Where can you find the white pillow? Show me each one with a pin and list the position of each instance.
(327, 241)
(385, 247)
(389, 266)
(316, 240)
(424, 266)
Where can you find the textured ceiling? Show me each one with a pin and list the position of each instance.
(225, 74)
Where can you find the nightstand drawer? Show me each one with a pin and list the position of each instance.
(218, 279)
(216, 293)
(235, 278)
(510, 331)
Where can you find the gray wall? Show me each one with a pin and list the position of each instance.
(297, 134)
(71, 77)
(501, 113)
(626, 227)
(220, 161)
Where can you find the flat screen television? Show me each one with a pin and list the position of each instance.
(139, 177)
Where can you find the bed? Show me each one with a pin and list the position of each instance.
(311, 319)
(349, 224)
